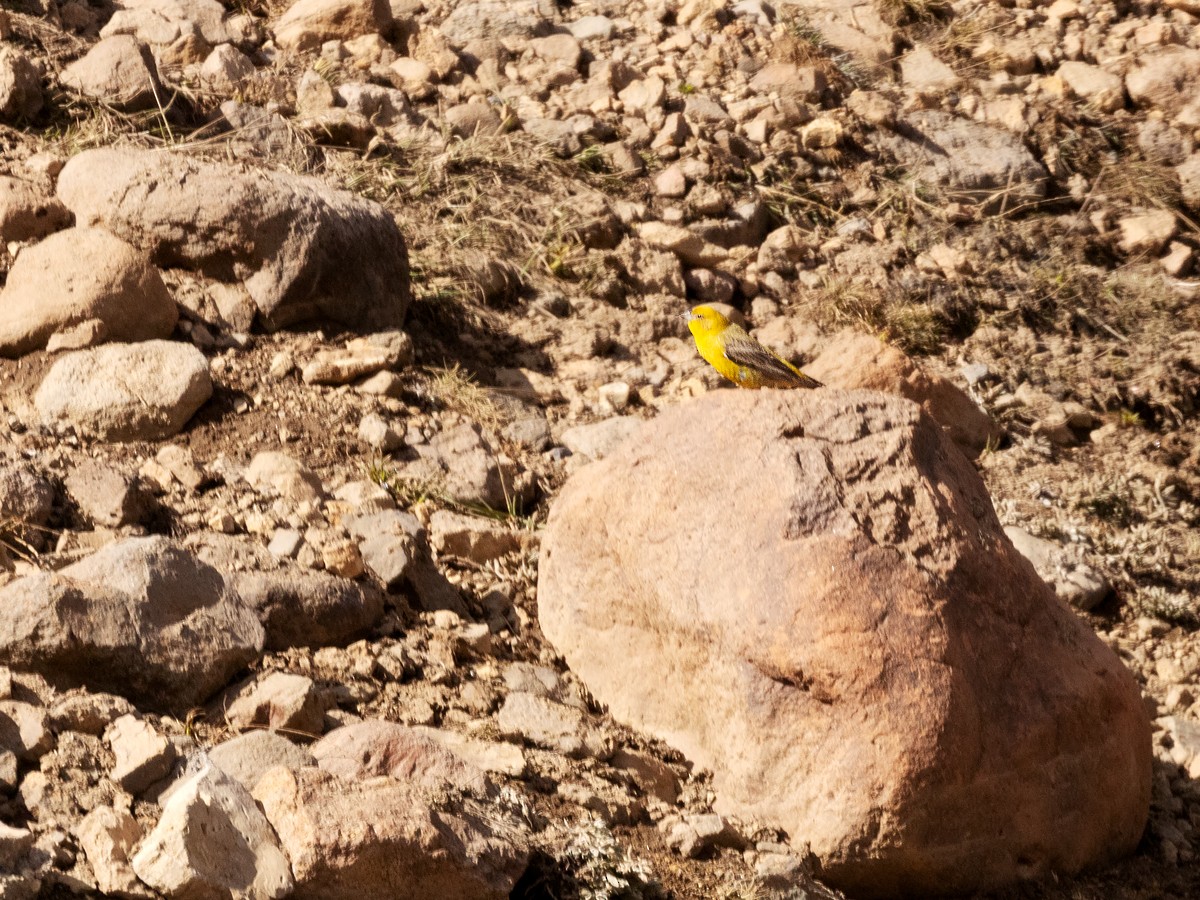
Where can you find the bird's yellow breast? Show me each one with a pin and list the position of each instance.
(712, 349)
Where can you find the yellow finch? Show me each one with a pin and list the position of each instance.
(739, 357)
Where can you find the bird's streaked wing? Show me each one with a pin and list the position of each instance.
(745, 351)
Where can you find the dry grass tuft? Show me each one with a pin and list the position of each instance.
(455, 389)
(913, 327)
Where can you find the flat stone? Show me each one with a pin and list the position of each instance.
(360, 357)
(471, 537)
(597, 439)
(971, 162)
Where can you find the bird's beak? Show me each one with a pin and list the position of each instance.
(688, 316)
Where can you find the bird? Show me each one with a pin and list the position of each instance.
(739, 357)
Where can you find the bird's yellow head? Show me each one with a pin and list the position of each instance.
(705, 321)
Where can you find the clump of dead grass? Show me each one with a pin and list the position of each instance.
(913, 327)
(453, 388)
(901, 13)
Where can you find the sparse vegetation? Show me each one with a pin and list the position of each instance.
(529, 271)
(913, 327)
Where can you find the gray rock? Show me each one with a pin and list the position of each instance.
(382, 106)
(698, 835)
(24, 730)
(969, 161)
(492, 19)
(532, 432)
(375, 747)
(141, 617)
(108, 836)
(88, 712)
(587, 28)
(165, 22)
(126, 392)
(394, 546)
(118, 71)
(377, 432)
(278, 701)
(545, 723)
(1166, 80)
(556, 134)
(226, 68)
(278, 474)
(377, 833)
(473, 471)
(1073, 580)
(306, 24)
(301, 248)
(974, 373)
(597, 439)
(389, 543)
(247, 756)
(26, 502)
(296, 606)
(143, 756)
(105, 494)
(471, 537)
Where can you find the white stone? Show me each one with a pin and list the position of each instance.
(213, 841)
(107, 836)
(143, 756)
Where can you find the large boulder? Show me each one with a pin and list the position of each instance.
(125, 392)
(851, 360)
(302, 248)
(141, 617)
(81, 275)
(809, 593)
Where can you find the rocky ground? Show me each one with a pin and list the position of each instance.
(311, 309)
